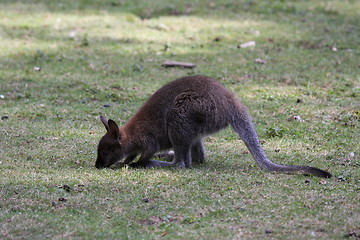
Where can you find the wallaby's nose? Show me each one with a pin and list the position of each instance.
(97, 164)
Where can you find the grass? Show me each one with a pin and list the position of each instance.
(62, 61)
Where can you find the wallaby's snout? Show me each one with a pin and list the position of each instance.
(98, 164)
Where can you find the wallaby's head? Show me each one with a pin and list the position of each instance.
(109, 148)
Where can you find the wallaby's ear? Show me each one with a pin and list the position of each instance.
(105, 122)
(114, 129)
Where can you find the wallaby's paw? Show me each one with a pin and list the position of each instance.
(156, 163)
(118, 165)
(165, 155)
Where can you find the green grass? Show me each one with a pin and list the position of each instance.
(91, 53)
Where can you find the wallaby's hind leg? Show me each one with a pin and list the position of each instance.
(190, 116)
(198, 152)
(181, 143)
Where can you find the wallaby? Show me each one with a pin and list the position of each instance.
(178, 116)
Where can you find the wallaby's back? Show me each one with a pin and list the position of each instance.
(210, 94)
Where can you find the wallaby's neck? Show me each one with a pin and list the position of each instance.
(134, 136)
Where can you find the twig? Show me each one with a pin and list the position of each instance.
(178, 64)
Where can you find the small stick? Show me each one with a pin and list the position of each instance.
(178, 64)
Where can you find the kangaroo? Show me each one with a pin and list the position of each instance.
(178, 116)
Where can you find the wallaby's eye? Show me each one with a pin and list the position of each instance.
(105, 153)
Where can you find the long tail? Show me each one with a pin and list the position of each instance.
(243, 125)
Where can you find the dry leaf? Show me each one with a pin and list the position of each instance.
(322, 181)
(261, 61)
(247, 44)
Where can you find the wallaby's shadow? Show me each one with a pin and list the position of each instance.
(210, 164)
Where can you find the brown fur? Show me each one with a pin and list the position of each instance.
(177, 117)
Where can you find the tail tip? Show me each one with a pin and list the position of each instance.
(323, 174)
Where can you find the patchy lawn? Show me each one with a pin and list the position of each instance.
(63, 63)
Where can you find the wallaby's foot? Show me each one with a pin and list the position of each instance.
(198, 152)
(198, 160)
(169, 156)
